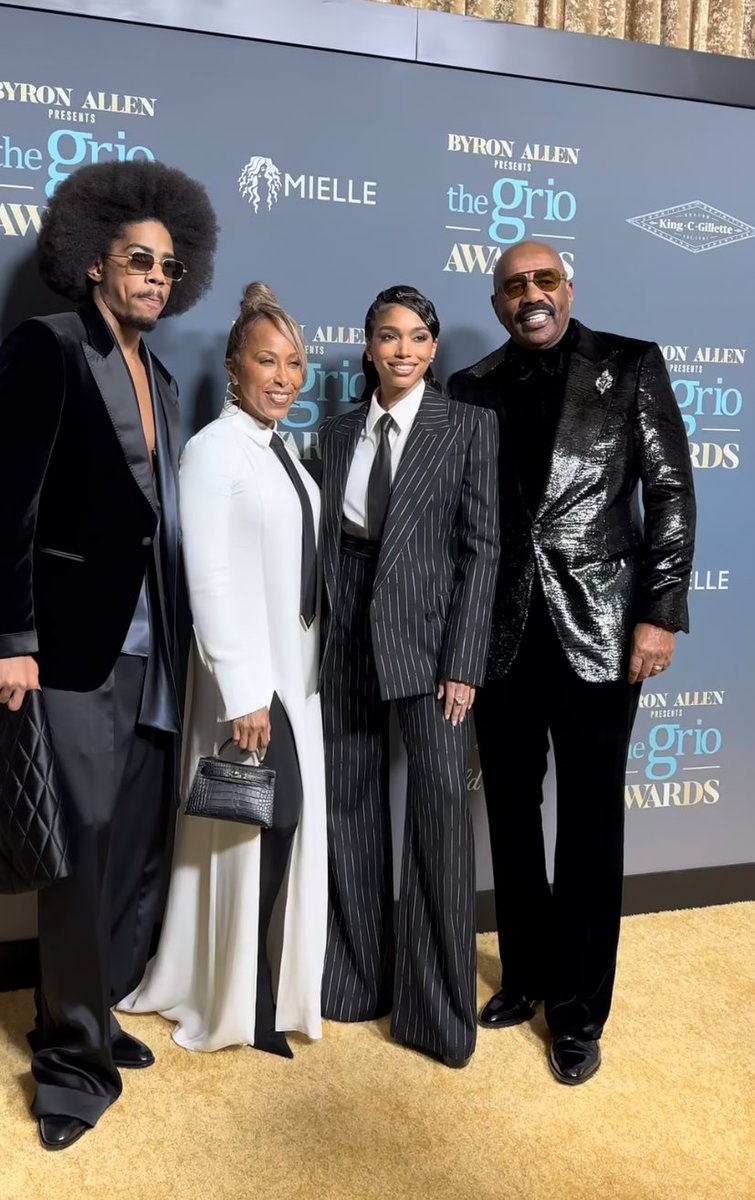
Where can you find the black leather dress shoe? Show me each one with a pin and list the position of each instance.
(129, 1053)
(505, 1008)
(456, 1064)
(574, 1060)
(57, 1133)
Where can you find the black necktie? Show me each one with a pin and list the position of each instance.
(308, 599)
(379, 484)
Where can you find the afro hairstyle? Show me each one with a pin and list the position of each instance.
(89, 210)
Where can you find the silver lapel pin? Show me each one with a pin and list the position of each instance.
(604, 382)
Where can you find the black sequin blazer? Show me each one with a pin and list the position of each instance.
(604, 561)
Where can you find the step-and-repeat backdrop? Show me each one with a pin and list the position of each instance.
(334, 176)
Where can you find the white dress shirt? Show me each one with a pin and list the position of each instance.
(355, 495)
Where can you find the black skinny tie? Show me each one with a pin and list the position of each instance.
(379, 483)
(308, 598)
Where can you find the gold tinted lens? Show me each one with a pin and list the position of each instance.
(514, 286)
(547, 280)
(173, 269)
(140, 262)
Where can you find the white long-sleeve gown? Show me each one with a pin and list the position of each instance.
(241, 522)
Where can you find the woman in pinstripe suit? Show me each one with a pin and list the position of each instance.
(410, 544)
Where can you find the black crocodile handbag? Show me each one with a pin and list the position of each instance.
(232, 791)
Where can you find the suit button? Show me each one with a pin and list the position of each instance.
(146, 541)
(430, 616)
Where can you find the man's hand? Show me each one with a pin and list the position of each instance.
(651, 652)
(252, 732)
(17, 677)
(459, 699)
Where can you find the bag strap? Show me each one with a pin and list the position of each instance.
(253, 753)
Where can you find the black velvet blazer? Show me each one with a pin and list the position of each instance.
(79, 510)
(603, 563)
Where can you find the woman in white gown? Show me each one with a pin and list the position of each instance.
(254, 679)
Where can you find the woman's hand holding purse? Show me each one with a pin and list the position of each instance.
(252, 732)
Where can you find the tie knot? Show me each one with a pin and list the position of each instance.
(386, 424)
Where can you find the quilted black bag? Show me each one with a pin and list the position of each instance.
(34, 850)
(228, 791)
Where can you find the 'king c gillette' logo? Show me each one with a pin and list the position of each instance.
(694, 226)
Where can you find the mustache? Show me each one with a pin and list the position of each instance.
(537, 306)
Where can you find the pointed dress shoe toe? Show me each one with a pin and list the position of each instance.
(574, 1060)
(129, 1053)
(58, 1133)
(505, 1009)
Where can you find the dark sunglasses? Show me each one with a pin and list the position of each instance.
(141, 262)
(547, 279)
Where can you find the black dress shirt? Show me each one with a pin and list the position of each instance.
(532, 406)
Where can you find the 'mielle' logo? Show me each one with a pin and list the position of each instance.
(262, 183)
(694, 226)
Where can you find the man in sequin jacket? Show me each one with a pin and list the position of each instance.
(591, 591)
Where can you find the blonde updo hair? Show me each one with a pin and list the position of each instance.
(260, 303)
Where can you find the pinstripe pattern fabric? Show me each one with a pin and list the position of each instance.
(435, 577)
(358, 980)
(433, 995)
(393, 627)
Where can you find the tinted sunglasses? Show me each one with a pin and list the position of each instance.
(547, 279)
(141, 262)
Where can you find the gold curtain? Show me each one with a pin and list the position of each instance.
(718, 26)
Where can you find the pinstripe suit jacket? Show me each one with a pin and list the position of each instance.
(432, 598)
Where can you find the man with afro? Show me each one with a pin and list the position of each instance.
(92, 607)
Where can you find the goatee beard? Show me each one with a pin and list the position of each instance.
(143, 324)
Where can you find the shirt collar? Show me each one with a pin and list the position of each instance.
(403, 413)
(262, 434)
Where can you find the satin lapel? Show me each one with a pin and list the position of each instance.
(167, 396)
(342, 444)
(583, 413)
(429, 442)
(115, 385)
(167, 422)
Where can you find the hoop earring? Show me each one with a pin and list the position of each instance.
(230, 400)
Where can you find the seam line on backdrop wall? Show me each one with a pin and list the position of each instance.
(696, 76)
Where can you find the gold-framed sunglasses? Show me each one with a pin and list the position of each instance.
(547, 279)
(141, 262)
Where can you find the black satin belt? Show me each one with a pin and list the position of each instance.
(356, 547)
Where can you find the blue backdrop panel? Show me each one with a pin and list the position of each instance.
(336, 175)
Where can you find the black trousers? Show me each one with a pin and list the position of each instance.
(95, 928)
(275, 851)
(424, 969)
(559, 944)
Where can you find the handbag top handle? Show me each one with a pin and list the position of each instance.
(252, 753)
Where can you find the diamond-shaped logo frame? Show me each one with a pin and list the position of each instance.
(694, 226)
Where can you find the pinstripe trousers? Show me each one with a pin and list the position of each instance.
(423, 971)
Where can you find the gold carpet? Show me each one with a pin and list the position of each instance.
(670, 1116)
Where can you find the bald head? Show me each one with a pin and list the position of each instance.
(536, 318)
